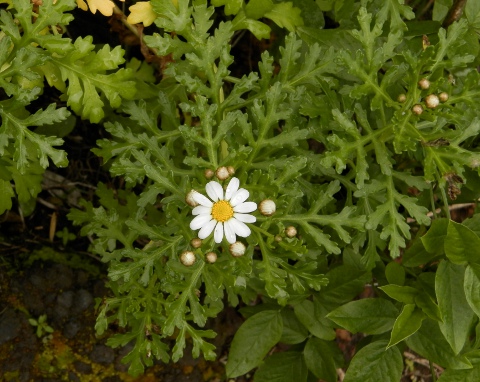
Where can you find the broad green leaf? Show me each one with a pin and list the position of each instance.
(305, 312)
(472, 287)
(462, 244)
(395, 273)
(406, 324)
(282, 367)
(434, 239)
(470, 375)
(344, 283)
(472, 12)
(374, 363)
(294, 332)
(417, 255)
(257, 335)
(405, 294)
(430, 343)
(369, 315)
(320, 359)
(456, 313)
(425, 302)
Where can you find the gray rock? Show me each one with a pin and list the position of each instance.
(71, 328)
(65, 299)
(10, 325)
(82, 300)
(82, 367)
(102, 354)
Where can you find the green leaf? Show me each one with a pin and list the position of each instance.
(6, 195)
(320, 359)
(285, 15)
(461, 244)
(294, 332)
(369, 315)
(87, 74)
(231, 6)
(257, 335)
(472, 287)
(345, 282)
(282, 367)
(406, 324)
(405, 294)
(305, 312)
(428, 306)
(417, 255)
(395, 273)
(471, 375)
(373, 364)
(456, 313)
(430, 343)
(434, 239)
(256, 9)
(472, 12)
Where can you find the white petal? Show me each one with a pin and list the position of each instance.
(245, 207)
(199, 210)
(240, 228)
(214, 190)
(218, 235)
(239, 197)
(245, 218)
(207, 229)
(229, 231)
(201, 199)
(232, 188)
(199, 221)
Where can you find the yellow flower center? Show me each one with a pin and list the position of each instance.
(222, 211)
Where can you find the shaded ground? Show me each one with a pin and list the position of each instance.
(67, 295)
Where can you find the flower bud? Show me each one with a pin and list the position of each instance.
(211, 257)
(231, 170)
(222, 173)
(424, 84)
(237, 249)
(278, 238)
(443, 96)
(209, 173)
(196, 242)
(401, 98)
(432, 101)
(187, 258)
(267, 207)
(291, 231)
(417, 109)
(190, 200)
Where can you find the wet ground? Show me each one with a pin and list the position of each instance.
(66, 297)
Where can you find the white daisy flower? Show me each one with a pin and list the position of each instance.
(224, 213)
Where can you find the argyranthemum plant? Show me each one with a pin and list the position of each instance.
(226, 212)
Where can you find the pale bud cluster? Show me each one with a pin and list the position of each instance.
(223, 172)
(187, 258)
(267, 207)
(190, 200)
(291, 231)
(237, 249)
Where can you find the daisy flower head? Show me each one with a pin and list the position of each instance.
(225, 214)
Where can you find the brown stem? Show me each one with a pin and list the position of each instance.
(132, 28)
(454, 13)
